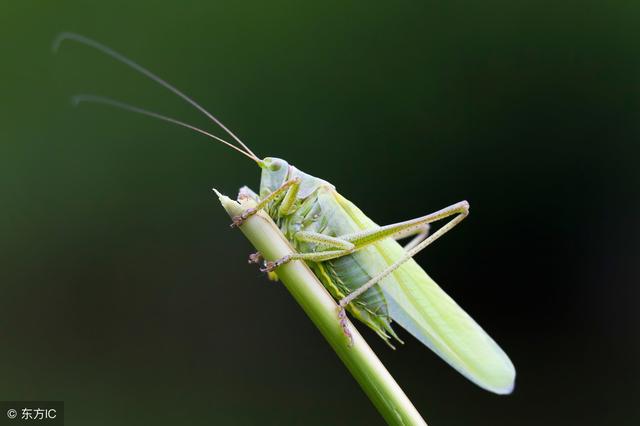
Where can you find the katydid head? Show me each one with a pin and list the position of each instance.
(276, 171)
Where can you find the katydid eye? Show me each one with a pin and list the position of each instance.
(277, 165)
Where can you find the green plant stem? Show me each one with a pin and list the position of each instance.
(366, 368)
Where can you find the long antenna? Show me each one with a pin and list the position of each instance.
(117, 104)
(119, 57)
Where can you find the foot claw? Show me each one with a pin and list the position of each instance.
(239, 220)
(269, 267)
(255, 258)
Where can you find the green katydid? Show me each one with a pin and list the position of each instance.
(361, 264)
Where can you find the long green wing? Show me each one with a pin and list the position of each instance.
(421, 307)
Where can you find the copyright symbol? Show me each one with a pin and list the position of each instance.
(11, 413)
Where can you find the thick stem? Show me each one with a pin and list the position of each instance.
(366, 368)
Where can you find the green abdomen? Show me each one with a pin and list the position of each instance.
(344, 275)
(341, 276)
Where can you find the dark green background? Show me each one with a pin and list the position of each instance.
(124, 293)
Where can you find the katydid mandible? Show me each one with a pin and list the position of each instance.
(361, 264)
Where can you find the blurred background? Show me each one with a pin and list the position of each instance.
(124, 292)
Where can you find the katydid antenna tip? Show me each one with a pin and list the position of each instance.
(59, 38)
(84, 98)
(55, 45)
(75, 100)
